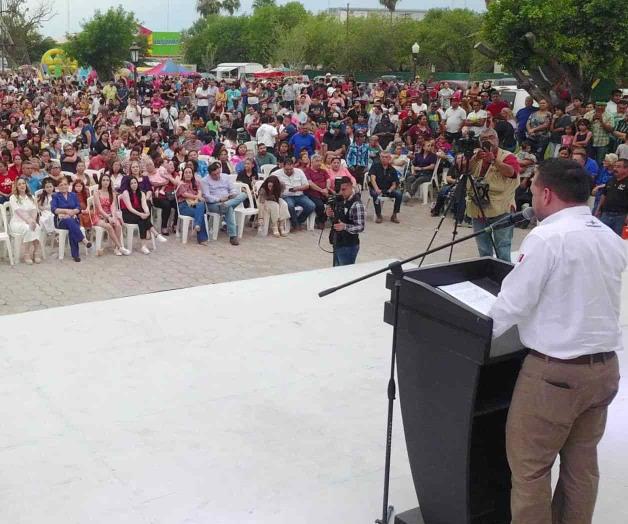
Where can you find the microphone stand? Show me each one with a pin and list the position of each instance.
(396, 269)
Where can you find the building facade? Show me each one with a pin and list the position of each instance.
(341, 13)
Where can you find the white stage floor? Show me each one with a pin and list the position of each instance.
(244, 402)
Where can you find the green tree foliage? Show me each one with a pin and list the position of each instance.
(263, 3)
(104, 41)
(213, 7)
(22, 22)
(289, 35)
(391, 5)
(573, 40)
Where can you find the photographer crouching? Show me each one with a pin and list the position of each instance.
(495, 172)
(348, 216)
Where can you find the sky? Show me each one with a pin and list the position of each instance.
(174, 15)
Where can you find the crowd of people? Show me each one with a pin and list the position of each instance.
(79, 156)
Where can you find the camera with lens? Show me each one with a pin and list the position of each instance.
(334, 198)
(469, 144)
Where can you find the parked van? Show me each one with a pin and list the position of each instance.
(515, 97)
(236, 70)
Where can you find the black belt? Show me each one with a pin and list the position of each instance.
(584, 359)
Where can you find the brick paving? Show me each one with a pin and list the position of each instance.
(174, 265)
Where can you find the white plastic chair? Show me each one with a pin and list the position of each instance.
(233, 177)
(131, 229)
(206, 158)
(309, 223)
(4, 230)
(17, 240)
(426, 187)
(63, 237)
(241, 212)
(68, 173)
(265, 170)
(185, 222)
(251, 145)
(99, 232)
(94, 174)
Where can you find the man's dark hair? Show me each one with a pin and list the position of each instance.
(566, 178)
(345, 180)
(214, 165)
(616, 92)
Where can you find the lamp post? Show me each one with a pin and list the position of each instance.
(415, 59)
(135, 58)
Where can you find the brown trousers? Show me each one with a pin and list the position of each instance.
(557, 409)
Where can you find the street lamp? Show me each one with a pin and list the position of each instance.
(135, 58)
(415, 59)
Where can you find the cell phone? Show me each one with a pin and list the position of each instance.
(291, 189)
(486, 146)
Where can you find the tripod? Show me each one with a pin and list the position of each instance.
(459, 199)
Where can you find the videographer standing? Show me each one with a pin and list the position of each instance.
(499, 170)
(348, 216)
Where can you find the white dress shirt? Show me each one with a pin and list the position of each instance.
(564, 292)
(296, 179)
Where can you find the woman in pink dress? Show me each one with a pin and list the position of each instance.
(107, 214)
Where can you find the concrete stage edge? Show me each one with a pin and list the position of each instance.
(245, 402)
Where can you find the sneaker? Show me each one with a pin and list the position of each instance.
(125, 251)
(234, 241)
(76, 259)
(162, 238)
(117, 252)
(394, 218)
(145, 250)
(37, 260)
(28, 261)
(378, 220)
(406, 197)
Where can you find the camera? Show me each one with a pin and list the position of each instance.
(468, 145)
(334, 198)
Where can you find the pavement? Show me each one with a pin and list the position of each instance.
(175, 265)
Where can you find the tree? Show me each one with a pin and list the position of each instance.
(291, 50)
(391, 5)
(213, 7)
(104, 41)
(551, 42)
(263, 3)
(23, 41)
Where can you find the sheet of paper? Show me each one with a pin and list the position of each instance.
(472, 295)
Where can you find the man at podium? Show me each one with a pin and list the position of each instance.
(564, 296)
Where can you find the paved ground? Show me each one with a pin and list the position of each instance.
(57, 283)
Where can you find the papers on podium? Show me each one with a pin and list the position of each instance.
(471, 295)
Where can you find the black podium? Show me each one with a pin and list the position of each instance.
(455, 386)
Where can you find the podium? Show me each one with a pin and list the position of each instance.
(455, 385)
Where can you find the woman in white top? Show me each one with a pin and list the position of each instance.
(46, 218)
(24, 221)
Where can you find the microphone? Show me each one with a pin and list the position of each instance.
(512, 219)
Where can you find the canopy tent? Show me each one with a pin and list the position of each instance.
(168, 67)
(273, 73)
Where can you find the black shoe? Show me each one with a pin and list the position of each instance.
(234, 241)
(76, 259)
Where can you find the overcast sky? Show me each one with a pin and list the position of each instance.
(154, 13)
